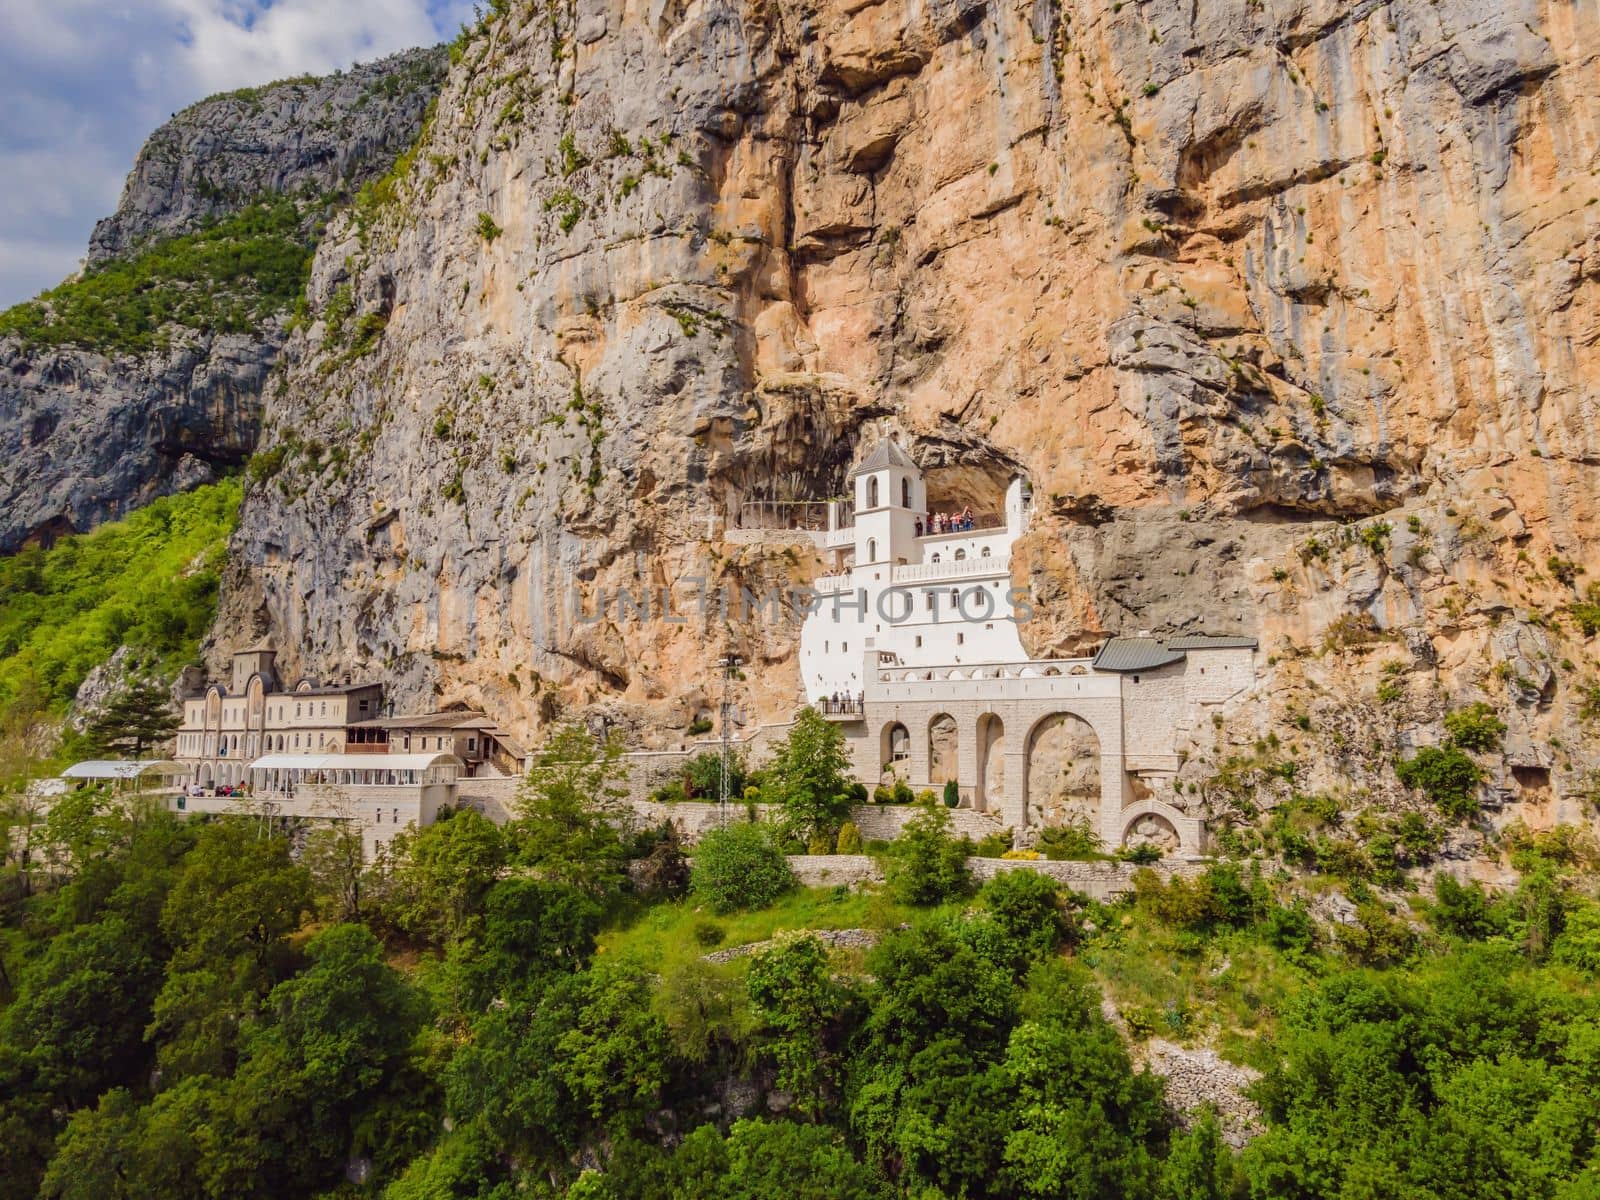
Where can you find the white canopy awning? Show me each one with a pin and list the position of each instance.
(353, 762)
(118, 768)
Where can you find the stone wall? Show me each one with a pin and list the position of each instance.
(1097, 880)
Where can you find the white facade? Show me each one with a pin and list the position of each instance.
(913, 646)
(923, 598)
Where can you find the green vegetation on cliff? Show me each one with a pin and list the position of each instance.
(227, 278)
(148, 582)
(187, 1009)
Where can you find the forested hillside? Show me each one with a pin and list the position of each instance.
(558, 1009)
(145, 585)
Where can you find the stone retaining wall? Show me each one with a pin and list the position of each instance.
(1097, 880)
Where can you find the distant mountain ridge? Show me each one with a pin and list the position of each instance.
(144, 376)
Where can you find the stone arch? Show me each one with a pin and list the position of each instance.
(1158, 823)
(205, 777)
(991, 762)
(944, 750)
(1061, 770)
(894, 747)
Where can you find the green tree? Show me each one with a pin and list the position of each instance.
(762, 1159)
(571, 814)
(334, 858)
(739, 866)
(792, 991)
(1475, 727)
(808, 776)
(926, 865)
(1085, 1121)
(441, 875)
(136, 719)
(1030, 911)
(1446, 776)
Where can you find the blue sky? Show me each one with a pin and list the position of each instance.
(83, 82)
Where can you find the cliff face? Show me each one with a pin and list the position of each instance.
(86, 434)
(1218, 279)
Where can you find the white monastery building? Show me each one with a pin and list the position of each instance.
(914, 646)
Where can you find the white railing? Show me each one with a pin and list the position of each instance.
(997, 564)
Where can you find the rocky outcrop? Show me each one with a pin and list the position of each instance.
(1232, 285)
(87, 436)
(309, 136)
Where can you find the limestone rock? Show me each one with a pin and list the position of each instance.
(1289, 311)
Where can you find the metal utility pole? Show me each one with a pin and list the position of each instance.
(729, 665)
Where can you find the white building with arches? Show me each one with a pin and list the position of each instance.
(913, 644)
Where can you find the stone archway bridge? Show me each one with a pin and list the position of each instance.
(999, 709)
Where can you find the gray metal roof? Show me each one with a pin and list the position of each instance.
(1134, 654)
(1202, 641)
(1144, 653)
(886, 453)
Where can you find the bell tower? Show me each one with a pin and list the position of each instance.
(890, 500)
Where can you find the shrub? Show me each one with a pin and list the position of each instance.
(882, 795)
(849, 839)
(926, 864)
(952, 794)
(1475, 727)
(708, 933)
(1578, 946)
(1376, 939)
(1586, 612)
(1029, 907)
(1446, 776)
(1074, 841)
(486, 227)
(739, 866)
(663, 873)
(902, 793)
(700, 725)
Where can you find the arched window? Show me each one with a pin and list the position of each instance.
(905, 493)
(872, 493)
(961, 555)
(985, 553)
(935, 556)
(872, 549)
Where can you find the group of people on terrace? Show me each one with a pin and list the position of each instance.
(841, 702)
(938, 523)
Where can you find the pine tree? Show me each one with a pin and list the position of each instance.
(138, 717)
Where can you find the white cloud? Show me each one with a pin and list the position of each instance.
(84, 82)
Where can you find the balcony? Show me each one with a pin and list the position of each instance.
(995, 564)
(853, 709)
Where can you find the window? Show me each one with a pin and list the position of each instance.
(324, 711)
(844, 647)
(961, 555)
(935, 556)
(930, 601)
(319, 741)
(472, 745)
(297, 741)
(905, 493)
(363, 706)
(872, 493)
(919, 640)
(872, 549)
(961, 639)
(985, 553)
(297, 708)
